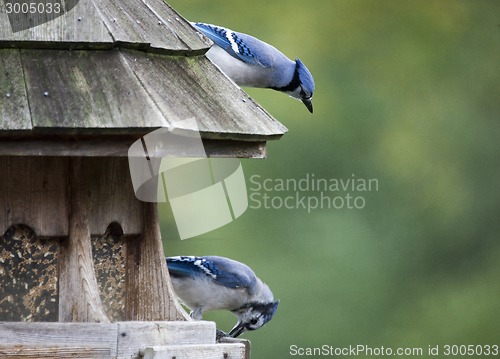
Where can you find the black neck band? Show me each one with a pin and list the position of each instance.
(294, 84)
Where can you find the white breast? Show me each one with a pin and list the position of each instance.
(207, 295)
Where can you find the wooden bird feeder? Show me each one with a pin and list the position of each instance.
(82, 267)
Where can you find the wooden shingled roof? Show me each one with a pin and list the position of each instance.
(117, 70)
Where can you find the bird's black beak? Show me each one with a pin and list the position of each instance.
(308, 103)
(238, 329)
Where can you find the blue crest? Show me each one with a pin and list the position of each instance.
(305, 77)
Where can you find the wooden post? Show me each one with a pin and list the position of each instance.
(103, 183)
(79, 299)
(148, 283)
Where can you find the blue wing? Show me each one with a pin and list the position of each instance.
(236, 44)
(221, 270)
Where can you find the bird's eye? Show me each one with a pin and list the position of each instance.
(254, 321)
(303, 94)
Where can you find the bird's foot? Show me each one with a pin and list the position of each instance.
(220, 334)
(196, 314)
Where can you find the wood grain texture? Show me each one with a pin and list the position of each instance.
(86, 89)
(80, 27)
(177, 25)
(150, 295)
(76, 91)
(58, 335)
(134, 337)
(33, 191)
(102, 24)
(207, 351)
(184, 88)
(140, 24)
(121, 340)
(134, 65)
(14, 110)
(53, 350)
(79, 299)
(115, 146)
(109, 195)
(245, 342)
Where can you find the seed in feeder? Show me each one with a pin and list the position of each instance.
(46, 94)
(7, 95)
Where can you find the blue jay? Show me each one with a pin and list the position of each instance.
(211, 283)
(251, 62)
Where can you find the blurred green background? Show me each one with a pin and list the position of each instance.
(408, 93)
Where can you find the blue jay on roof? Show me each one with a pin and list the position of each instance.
(212, 283)
(251, 62)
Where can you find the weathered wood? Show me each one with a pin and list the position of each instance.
(149, 291)
(80, 27)
(63, 335)
(86, 89)
(122, 340)
(183, 87)
(116, 146)
(79, 299)
(179, 26)
(98, 24)
(246, 343)
(52, 350)
(207, 351)
(118, 91)
(33, 191)
(76, 91)
(141, 24)
(134, 337)
(14, 111)
(75, 146)
(109, 195)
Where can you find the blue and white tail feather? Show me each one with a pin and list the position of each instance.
(213, 283)
(251, 62)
